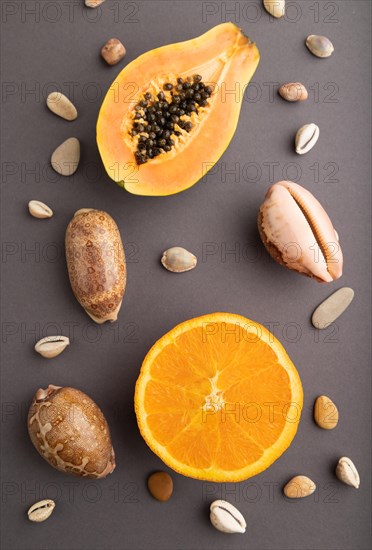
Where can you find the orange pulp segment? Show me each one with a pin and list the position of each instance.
(218, 398)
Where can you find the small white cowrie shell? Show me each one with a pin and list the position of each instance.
(306, 138)
(226, 518)
(40, 511)
(51, 346)
(39, 210)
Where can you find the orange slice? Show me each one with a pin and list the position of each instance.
(218, 398)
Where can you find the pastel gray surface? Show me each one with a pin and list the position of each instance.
(216, 220)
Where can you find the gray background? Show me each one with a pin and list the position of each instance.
(212, 218)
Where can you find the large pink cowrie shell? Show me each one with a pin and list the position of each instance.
(298, 233)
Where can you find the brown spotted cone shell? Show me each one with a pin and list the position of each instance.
(70, 432)
(96, 263)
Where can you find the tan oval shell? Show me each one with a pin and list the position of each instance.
(298, 233)
(70, 432)
(325, 413)
(299, 487)
(96, 263)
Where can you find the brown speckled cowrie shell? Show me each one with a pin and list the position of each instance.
(70, 432)
(96, 263)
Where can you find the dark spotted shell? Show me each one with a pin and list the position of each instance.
(96, 263)
(70, 432)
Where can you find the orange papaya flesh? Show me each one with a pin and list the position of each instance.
(226, 60)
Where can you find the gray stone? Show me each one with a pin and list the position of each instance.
(329, 310)
(65, 159)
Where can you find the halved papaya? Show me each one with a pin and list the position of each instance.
(170, 114)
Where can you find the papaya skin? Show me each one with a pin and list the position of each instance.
(225, 58)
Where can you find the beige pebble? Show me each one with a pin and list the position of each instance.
(60, 105)
(276, 8)
(113, 51)
(299, 487)
(320, 46)
(65, 159)
(93, 3)
(325, 413)
(178, 260)
(331, 309)
(293, 91)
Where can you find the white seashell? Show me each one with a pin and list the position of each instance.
(306, 138)
(226, 518)
(39, 210)
(347, 472)
(40, 511)
(51, 346)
